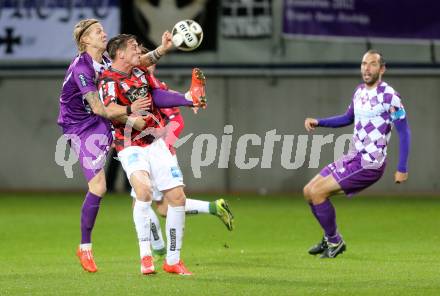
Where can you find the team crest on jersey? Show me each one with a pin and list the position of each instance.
(138, 72)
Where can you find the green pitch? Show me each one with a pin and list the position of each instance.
(393, 249)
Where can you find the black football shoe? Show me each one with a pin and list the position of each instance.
(333, 249)
(319, 248)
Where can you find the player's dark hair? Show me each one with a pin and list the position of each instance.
(381, 59)
(119, 42)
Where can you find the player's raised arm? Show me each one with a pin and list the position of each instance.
(401, 123)
(335, 121)
(340, 120)
(152, 57)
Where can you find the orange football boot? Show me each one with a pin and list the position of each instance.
(86, 260)
(178, 268)
(147, 266)
(197, 89)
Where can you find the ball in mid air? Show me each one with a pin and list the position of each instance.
(187, 35)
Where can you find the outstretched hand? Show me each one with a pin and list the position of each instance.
(310, 124)
(167, 43)
(400, 177)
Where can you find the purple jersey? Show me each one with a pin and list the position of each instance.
(89, 134)
(81, 77)
(372, 120)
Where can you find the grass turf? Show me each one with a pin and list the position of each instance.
(392, 249)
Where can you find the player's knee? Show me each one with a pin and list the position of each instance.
(162, 210)
(306, 192)
(179, 200)
(143, 193)
(317, 195)
(176, 197)
(98, 185)
(98, 189)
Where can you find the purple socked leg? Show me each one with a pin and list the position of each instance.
(89, 212)
(326, 215)
(167, 99)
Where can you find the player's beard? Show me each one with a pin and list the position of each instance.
(374, 77)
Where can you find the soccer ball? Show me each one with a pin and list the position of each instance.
(187, 35)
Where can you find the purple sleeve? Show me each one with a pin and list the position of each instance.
(167, 99)
(404, 132)
(338, 121)
(84, 77)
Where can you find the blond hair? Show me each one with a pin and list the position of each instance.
(80, 30)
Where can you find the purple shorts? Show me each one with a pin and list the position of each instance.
(353, 174)
(91, 144)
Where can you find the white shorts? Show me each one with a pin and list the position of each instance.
(156, 160)
(157, 195)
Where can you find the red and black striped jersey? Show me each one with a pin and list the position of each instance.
(123, 89)
(172, 116)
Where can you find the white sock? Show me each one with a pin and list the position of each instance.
(174, 226)
(85, 247)
(142, 224)
(188, 96)
(195, 206)
(157, 241)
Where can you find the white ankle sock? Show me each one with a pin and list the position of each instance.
(142, 224)
(195, 206)
(174, 226)
(84, 247)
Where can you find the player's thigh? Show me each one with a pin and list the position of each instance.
(165, 174)
(133, 159)
(97, 184)
(140, 181)
(309, 185)
(324, 187)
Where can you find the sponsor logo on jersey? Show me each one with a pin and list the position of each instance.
(133, 158)
(82, 79)
(175, 172)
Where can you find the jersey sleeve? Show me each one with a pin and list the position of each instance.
(107, 92)
(84, 77)
(393, 105)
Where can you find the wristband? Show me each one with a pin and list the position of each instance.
(129, 110)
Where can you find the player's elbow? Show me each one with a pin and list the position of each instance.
(99, 111)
